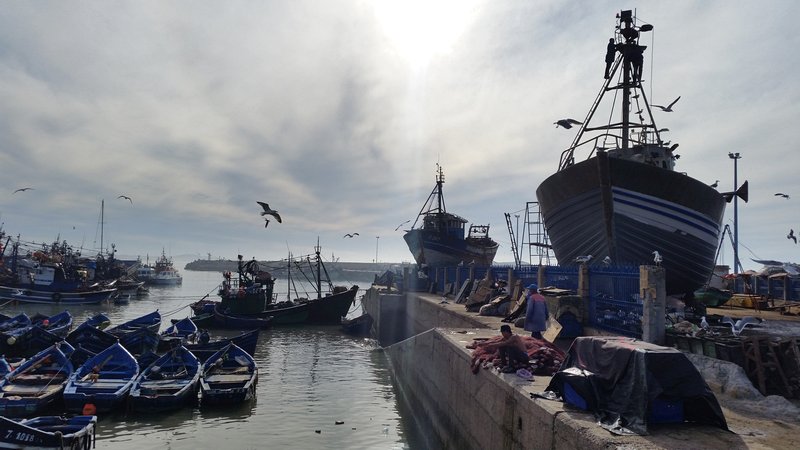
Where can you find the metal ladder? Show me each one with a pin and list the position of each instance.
(514, 248)
(538, 243)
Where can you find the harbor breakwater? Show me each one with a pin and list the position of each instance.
(425, 338)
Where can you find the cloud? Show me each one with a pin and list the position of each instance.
(337, 112)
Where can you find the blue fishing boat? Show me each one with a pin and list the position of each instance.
(5, 366)
(168, 383)
(246, 341)
(19, 321)
(224, 318)
(58, 324)
(99, 321)
(229, 376)
(90, 338)
(27, 341)
(48, 432)
(35, 384)
(103, 380)
(151, 321)
(139, 341)
(179, 333)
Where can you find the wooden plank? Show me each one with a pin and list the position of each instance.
(553, 329)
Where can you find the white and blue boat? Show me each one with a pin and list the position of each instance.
(626, 200)
(170, 382)
(103, 380)
(229, 376)
(48, 432)
(35, 384)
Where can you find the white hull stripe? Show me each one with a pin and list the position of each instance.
(665, 215)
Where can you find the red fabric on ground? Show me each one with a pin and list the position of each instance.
(545, 358)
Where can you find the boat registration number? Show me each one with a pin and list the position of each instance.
(20, 436)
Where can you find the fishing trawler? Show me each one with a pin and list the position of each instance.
(626, 200)
(440, 241)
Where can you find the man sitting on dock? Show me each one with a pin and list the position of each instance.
(511, 348)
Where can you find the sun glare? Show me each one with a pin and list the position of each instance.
(420, 29)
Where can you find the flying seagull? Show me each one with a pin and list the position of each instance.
(22, 190)
(739, 326)
(792, 236)
(269, 211)
(127, 198)
(398, 227)
(657, 257)
(583, 259)
(567, 123)
(715, 184)
(663, 130)
(668, 108)
(348, 235)
(781, 194)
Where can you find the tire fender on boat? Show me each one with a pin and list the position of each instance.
(56, 297)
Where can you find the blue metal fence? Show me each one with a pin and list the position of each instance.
(614, 301)
(562, 277)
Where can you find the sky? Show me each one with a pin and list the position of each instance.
(337, 112)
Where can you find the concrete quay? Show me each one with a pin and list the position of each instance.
(425, 338)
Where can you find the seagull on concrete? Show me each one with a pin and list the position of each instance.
(398, 227)
(583, 259)
(703, 324)
(127, 198)
(781, 194)
(791, 235)
(715, 184)
(349, 235)
(607, 260)
(668, 108)
(739, 326)
(657, 258)
(567, 123)
(22, 190)
(269, 211)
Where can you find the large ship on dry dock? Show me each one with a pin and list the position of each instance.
(440, 239)
(626, 200)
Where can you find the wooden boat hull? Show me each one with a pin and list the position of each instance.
(623, 209)
(118, 370)
(157, 390)
(48, 432)
(26, 295)
(36, 384)
(360, 325)
(226, 320)
(229, 376)
(246, 341)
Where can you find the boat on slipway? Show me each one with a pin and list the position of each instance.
(440, 238)
(626, 200)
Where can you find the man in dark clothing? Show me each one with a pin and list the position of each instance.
(611, 53)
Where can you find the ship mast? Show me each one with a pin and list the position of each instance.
(434, 205)
(629, 56)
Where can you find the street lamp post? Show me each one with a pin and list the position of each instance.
(377, 238)
(737, 266)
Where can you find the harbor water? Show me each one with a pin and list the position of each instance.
(310, 380)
